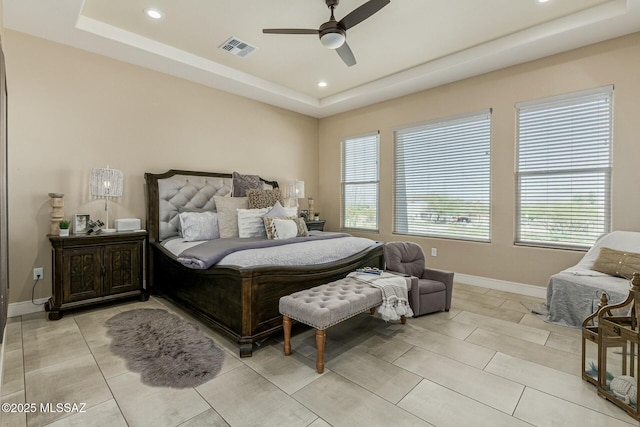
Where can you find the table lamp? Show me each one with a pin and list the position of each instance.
(106, 182)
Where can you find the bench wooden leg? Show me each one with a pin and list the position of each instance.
(372, 310)
(286, 325)
(321, 337)
(403, 319)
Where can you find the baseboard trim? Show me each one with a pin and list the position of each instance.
(501, 285)
(26, 307)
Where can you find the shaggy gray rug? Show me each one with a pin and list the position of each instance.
(167, 350)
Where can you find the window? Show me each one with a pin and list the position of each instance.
(563, 169)
(360, 182)
(443, 178)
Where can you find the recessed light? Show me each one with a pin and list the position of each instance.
(153, 13)
(322, 84)
(542, 1)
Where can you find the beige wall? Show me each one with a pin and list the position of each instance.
(1, 21)
(614, 62)
(71, 111)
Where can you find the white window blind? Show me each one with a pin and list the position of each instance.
(443, 178)
(563, 169)
(360, 182)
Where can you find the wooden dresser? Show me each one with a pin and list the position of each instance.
(90, 269)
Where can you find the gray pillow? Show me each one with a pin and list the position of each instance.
(228, 214)
(182, 209)
(197, 226)
(278, 211)
(242, 183)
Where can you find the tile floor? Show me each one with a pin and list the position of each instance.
(487, 362)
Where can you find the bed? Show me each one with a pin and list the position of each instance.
(574, 293)
(239, 300)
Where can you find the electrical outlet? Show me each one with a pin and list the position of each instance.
(38, 273)
(434, 251)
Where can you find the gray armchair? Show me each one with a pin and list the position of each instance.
(431, 289)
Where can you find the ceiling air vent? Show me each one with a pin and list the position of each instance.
(237, 47)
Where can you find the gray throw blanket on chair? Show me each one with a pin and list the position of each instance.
(395, 296)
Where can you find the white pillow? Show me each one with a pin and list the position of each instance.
(199, 226)
(272, 227)
(250, 222)
(284, 228)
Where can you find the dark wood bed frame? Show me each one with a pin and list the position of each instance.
(242, 302)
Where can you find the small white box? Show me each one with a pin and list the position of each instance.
(127, 224)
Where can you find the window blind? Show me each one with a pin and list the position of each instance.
(443, 178)
(360, 182)
(563, 169)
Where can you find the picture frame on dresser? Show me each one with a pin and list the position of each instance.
(81, 223)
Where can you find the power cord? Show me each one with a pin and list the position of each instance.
(33, 290)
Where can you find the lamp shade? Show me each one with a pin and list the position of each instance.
(296, 189)
(106, 182)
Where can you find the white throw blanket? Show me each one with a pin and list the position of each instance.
(395, 296)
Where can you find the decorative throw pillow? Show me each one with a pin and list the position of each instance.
(242, 183)
(250, 223)
(259, 199)
(278, 211)
(199, 226)
(617, 263)
(228, 214)
(285, 228)
(185, 209)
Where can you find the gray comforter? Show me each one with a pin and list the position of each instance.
(209, 253)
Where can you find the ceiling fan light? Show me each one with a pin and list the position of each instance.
(332, 40)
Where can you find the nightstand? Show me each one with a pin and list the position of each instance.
(315, 225)
(90, 269)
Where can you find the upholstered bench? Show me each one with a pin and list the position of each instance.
(325, 306)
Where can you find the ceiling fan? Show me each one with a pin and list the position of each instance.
(333, 34)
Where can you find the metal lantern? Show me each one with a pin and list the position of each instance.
(618, 368)
(591, 343)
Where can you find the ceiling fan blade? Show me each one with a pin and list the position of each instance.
(361, 13)
(345, 53)
(289, 31)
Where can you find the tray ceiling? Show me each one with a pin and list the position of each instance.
(409, 45)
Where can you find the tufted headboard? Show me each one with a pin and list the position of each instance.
(171, 192)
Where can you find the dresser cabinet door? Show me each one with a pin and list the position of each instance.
(122, 267)
(83, 274)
